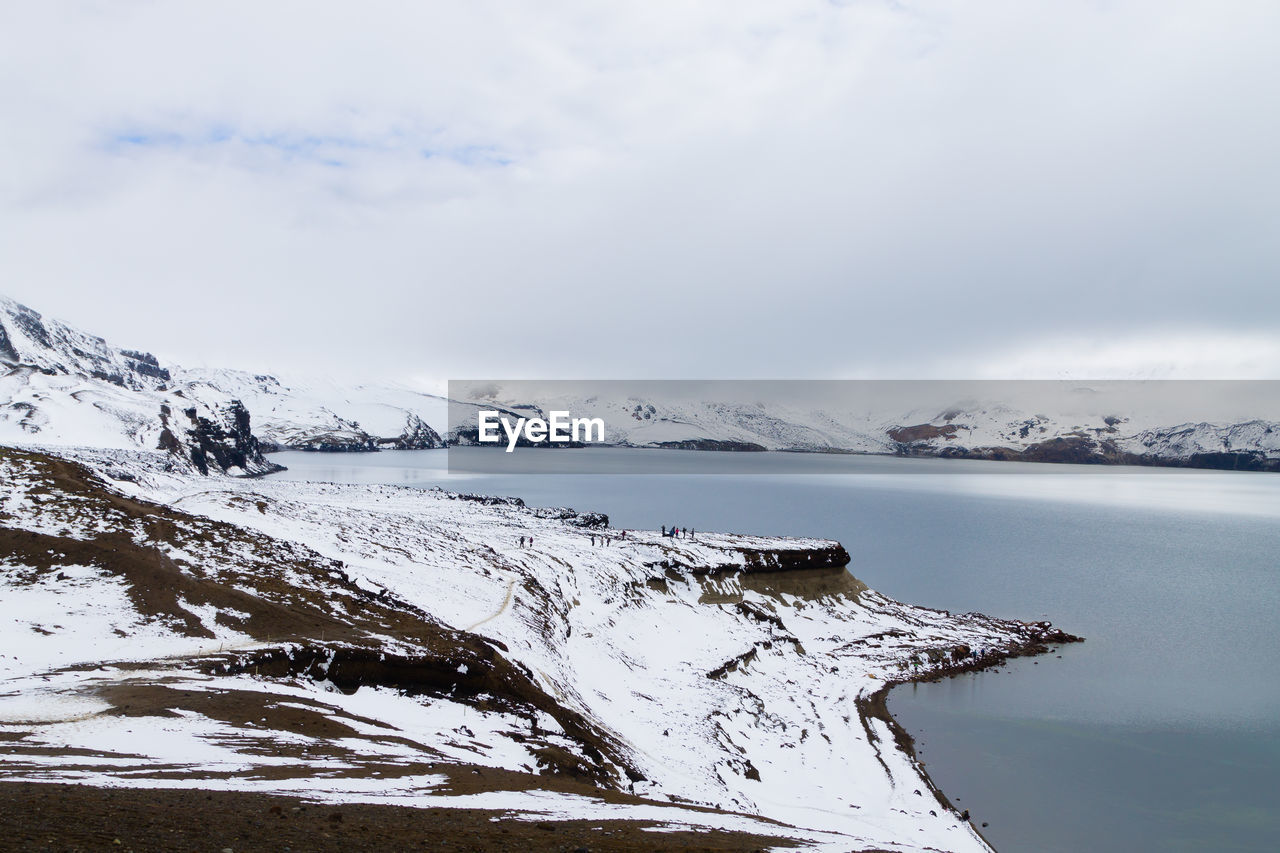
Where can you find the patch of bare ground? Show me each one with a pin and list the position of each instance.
(803, 584)
(57, 817)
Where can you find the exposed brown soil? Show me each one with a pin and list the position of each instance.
(808, 584)
(56, 817)
(921, 432)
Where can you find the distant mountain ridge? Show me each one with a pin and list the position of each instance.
(62, 386)
(313, 414)
(29, 339)
(1106, 431)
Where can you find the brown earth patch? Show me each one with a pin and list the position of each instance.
(922, 432)
(57, 817)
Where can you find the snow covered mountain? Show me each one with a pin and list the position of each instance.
(306, 413)
(51, 347)
(63, 387)
(1112, 423)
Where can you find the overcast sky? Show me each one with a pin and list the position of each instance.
(651, 189)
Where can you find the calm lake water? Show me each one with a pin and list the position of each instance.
(1161, 732)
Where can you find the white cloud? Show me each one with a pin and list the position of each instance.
(1169, 355)
(670, 189)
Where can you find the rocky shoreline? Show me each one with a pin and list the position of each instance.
(1042, 638)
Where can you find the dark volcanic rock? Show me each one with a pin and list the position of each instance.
(146, 364)
(359, 443)
(712, 444)
(7, 353)
(32, 326)
(212, 445)
(832, 556)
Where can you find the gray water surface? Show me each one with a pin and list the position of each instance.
(1160, 732)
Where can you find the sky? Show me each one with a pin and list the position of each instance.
(721, 189)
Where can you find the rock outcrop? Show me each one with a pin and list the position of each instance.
(222, 441)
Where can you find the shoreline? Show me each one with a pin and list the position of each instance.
(875, 706)
(1239, 462)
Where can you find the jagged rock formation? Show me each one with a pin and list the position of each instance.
(226, 444)
(416, 435)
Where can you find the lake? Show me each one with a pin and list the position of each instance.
(1160, 732)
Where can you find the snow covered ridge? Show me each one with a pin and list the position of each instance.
(52, 347)
(1130, 423)
(311, 414)
(63, 387)
(383, 644)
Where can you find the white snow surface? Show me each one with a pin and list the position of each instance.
(306, 411)
(735, 689)
(62, 387)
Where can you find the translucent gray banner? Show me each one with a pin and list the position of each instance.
(853, 426)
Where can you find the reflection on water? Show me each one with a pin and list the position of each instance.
(1160, 732)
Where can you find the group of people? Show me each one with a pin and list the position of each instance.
(601, 539)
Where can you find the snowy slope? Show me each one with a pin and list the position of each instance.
(729, 672)
(309, 413)
(63, 387)
(50, 346)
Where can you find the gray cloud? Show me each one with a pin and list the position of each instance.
(718, 189)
